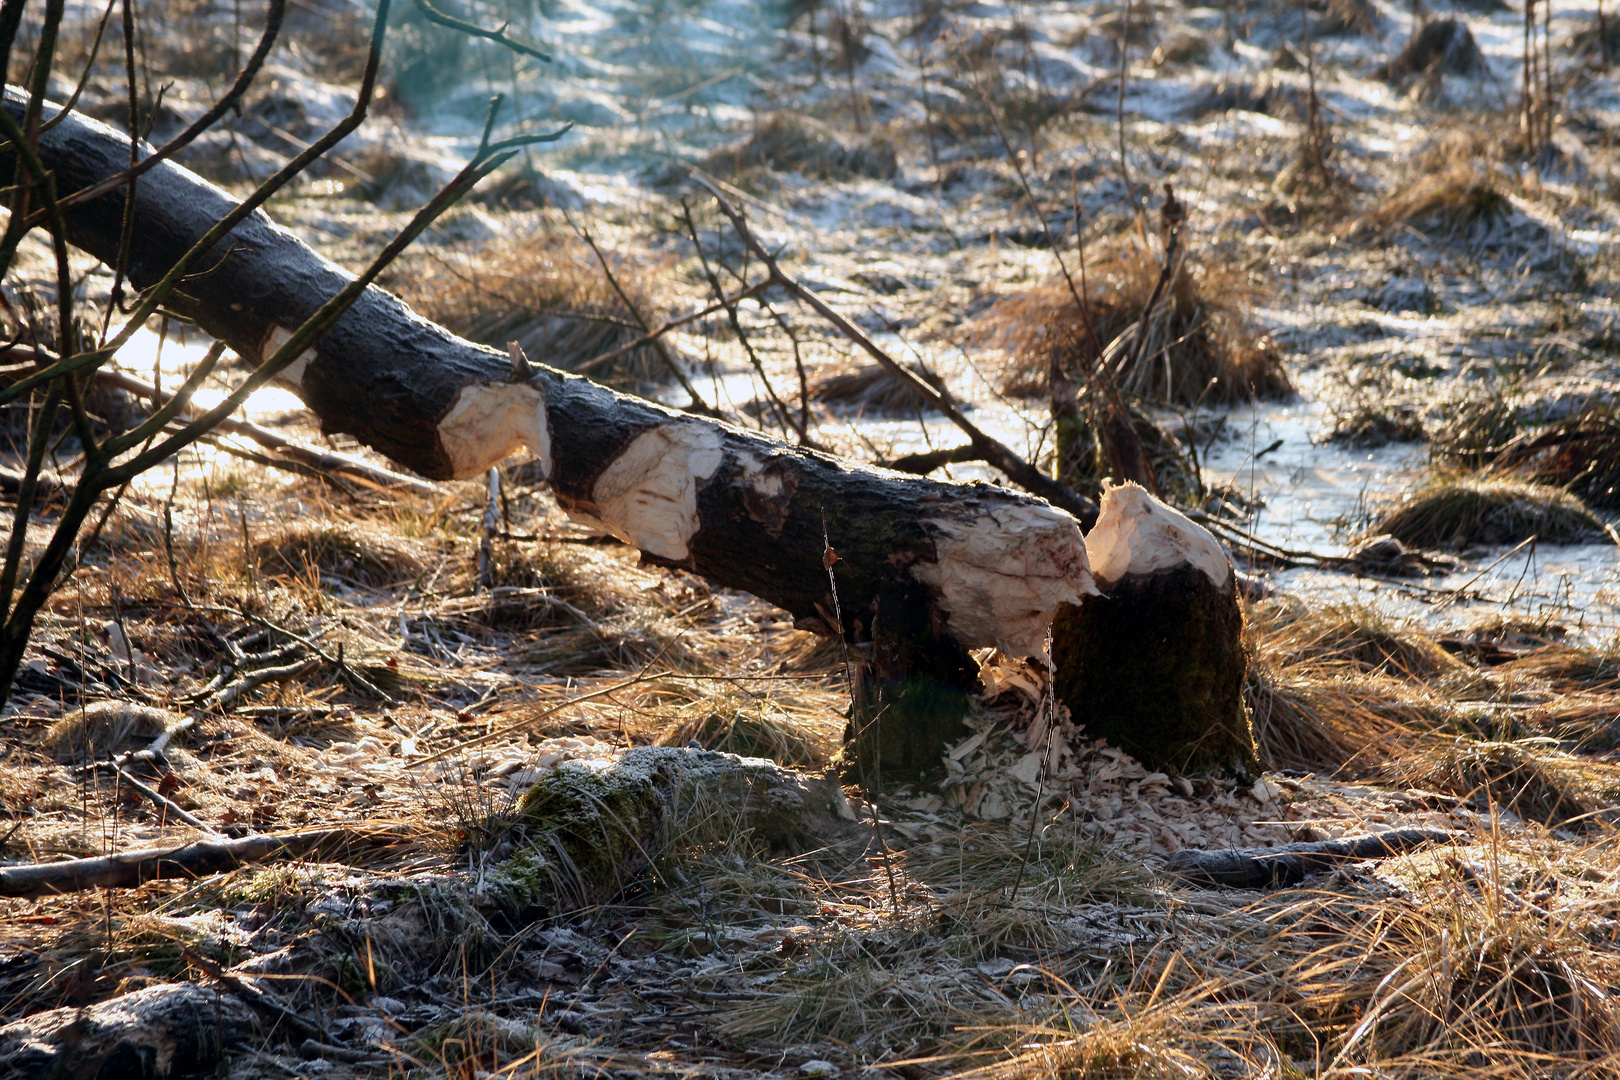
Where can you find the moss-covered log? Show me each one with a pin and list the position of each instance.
(1156, 664)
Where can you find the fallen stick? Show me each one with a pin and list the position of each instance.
(163, 803)
(129, 868)
(320, 461)
(1259, 868)
(926, 462)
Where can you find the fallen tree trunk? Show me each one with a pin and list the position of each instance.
(128, 869)
(1268, 867)
(922, 570)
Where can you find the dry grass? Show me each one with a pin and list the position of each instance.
(795, 143)
(1202, 341)
(1316, 719)
(889, 982)
(1369, 425)
(548, 292)
(1580, 453)
(1476, 428)
(1471, 206)
(754, 733)
(871, 390)
(1362, 638)
(1490, 961)
(1483, 508)
(1530, 777)
(1341, 688)
(338, 552)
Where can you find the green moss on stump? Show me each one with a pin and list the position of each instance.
(589, 829)
(1156, 667)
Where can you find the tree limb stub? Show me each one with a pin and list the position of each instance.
(1261, 868)
(738, 508)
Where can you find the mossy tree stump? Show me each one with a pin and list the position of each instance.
(1156, 665)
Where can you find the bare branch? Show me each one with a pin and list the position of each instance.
(497, 35)
(993, 450)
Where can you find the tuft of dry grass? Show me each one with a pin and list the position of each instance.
(795, 143)
(1439, 47)
(1531, 777)
(1471, 206)
(890, 983)
(317, 552)
(870, 389)
(105, 729)
(1316, 719)
(1490, 961)
(548, 292)
(1476, 428)
(1363, 638)
(1202, 340)
(1484, 508)
(755, 725)
(1371, 424)
(1580, 453)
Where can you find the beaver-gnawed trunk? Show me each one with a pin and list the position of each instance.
(1156, 664)
(913, 573)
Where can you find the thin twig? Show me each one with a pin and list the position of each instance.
(168, 806)
(994, 451)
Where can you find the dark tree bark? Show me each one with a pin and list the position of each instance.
(1270, 867)
(1155, 665)
(970, 564)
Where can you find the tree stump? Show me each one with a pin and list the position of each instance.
(1156, 665)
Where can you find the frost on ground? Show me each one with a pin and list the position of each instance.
(1437, 285)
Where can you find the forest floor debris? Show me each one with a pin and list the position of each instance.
(919, 168)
